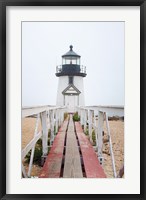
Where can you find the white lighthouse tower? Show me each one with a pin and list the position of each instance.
(70, 86)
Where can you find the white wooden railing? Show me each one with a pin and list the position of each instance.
(51, 117)
(88, 116)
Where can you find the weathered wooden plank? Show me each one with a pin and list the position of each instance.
(45, 133)
(93, 169)
(52, 166)
(64, 126)
(52, 126)
(111, 148)
(30, 145)
(111, 110)
(28, 111)
(90, 124)
(33, 149)
(100, 132)
(72, 166)
(71, 128)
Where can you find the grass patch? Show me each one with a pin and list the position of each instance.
(93, 137)
(37, 154)
(87, 131)
(76, 117)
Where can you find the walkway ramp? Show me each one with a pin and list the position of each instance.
(92, 166)
(52, 166)
(72, 166)
(72, 155)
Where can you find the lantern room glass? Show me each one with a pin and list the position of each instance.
(71, 61)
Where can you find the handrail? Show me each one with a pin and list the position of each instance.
(29, 111)
(111, 110)
(87, 116)
(55, 116)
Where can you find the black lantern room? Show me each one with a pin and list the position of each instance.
(71, 65)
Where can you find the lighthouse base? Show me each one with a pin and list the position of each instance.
(70, 95)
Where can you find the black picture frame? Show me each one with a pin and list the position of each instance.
(3, 125)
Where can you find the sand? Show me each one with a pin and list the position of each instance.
(117, 135)
(28, 128)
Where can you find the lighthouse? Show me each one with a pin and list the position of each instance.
(70, 85)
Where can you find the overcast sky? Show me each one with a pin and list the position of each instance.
(101, 46)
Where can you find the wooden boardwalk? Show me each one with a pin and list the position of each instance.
(71, 155)
(72, 165)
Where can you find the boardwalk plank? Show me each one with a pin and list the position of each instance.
(64, 126)
(72, 167)
(52, 166)
(92, 166)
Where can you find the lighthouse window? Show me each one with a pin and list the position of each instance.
(70, 79)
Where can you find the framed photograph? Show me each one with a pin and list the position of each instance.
(72, 99)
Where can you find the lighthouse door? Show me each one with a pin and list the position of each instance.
(70, 102)
(71, 98)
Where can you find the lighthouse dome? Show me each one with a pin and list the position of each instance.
(71, 53)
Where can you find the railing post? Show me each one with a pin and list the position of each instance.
(100, 134)
(61, 116)
(33, 149)
(94, 118)
(85, 121)
(89, 124)
(81, 116)
(56, 120)
(45, 133)
(52, 127)
(111, 148)
(23, 171)
(48, 120)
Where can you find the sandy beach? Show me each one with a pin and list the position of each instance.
(117, 136)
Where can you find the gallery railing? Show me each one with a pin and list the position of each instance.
(82, 69)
